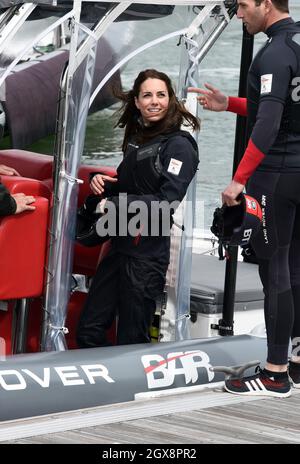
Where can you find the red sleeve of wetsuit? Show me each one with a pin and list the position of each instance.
(237, 105)
(251, 159)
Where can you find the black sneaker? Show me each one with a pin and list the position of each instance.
(294, 374)
(259, 384)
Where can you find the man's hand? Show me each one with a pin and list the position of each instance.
(231, 193)
(212, 99)
(23, 202)
(6, 171)
(98, 181)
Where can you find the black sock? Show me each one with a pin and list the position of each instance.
(276, 375)
(295, 366)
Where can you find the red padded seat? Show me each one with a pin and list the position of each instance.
(28, 163)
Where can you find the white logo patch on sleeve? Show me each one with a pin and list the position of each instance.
(174, 166)
(266, 83)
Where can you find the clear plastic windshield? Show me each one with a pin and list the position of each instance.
(30, 34)
(137, 43)
(78, 89)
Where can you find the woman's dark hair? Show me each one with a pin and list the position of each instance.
(131, 116)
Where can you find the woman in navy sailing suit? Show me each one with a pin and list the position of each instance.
(159, 163)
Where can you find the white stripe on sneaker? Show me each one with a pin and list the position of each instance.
(249, 386)
(259, 382)
(255, 384)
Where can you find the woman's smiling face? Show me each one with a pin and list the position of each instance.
(153, 100)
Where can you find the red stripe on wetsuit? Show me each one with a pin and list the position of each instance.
(252, 156)
(237, 105)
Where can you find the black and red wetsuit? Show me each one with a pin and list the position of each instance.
(272, 165)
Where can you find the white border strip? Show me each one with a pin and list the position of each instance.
(119, 412)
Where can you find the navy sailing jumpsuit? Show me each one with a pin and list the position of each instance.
(132, 276)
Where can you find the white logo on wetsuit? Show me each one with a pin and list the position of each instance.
(174, 166)
(266, 83)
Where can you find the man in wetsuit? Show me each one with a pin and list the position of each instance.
(13, 204)
(271, 163)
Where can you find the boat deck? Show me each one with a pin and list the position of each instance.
(192, 418)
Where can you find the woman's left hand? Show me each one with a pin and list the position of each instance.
(101, 206)
(98, 182)
(231, 192)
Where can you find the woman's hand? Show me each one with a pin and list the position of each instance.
(101, 206)
(98, 182)
(6, 171)
(231, 193)
(23, 202)
(212, 99)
